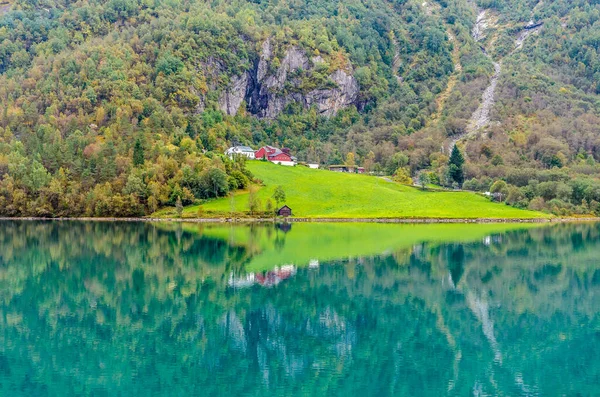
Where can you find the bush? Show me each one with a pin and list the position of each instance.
(515, 195)
(472, 185)
(402, 175)
(537, 204)
(499, 190)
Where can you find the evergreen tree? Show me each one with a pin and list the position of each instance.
(455, 166)
(138, 154)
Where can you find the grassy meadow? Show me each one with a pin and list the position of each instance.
(325, 194)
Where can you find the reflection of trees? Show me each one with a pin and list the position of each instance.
(92, 306)
(513, 274)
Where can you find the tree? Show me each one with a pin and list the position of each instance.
(216, 180)
(402, 175)
(269, 206)
(39, 176)
(369, 161)
(253, 200)
(455, 166)
(152, 204)
(135, 185)
(138, 153)
(179, 207)
(279, 195)
(231, 203)
(515, 196)
(395, 162)
(423, 180)
(350, 159)
(499, 190)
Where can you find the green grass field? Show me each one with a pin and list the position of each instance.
(326, 194)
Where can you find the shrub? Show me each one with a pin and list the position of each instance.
(402, 175)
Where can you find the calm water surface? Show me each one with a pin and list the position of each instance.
(139, 309)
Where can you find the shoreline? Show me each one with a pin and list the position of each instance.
(314, 220)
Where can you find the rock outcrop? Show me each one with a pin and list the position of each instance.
(232, 97)
(267, 90)
(330, 101)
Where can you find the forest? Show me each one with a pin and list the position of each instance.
(122, 107)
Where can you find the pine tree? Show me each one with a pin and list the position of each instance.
(138, 154)
(455, 166)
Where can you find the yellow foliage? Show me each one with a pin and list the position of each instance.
(402, 175)
(564, 90)
(519, 139)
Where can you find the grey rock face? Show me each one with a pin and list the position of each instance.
(267, 91)
(263, 64)
(233, 96)
(271, 93)
(330, 101)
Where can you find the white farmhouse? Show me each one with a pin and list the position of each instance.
(240, 151)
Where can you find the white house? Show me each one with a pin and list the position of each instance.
(313, 165)
(240, 151)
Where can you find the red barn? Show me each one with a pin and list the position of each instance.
(274, 155)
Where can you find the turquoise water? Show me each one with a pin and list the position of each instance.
(140, 309)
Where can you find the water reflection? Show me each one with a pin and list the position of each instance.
(161, 309)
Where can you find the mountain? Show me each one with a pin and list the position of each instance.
(120, 107)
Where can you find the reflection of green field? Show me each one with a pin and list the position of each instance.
(321, 194)
(328, 241)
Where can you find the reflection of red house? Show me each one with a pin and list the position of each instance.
(266, 279)
(275, 276)
(275, 155)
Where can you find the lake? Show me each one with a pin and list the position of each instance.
(172, 309)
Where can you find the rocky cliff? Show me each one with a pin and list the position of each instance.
(269, 86)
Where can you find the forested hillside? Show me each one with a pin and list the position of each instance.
(120, 107)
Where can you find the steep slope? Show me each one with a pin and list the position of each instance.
(536, 122)
(119, 107)
(87, 86)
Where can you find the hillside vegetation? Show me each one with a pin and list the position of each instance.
(326, 194)
(120, 107)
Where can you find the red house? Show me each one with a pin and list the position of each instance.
(275, 155)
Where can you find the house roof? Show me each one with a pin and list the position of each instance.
(272, 151)
(240, 148)
(245, 148)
